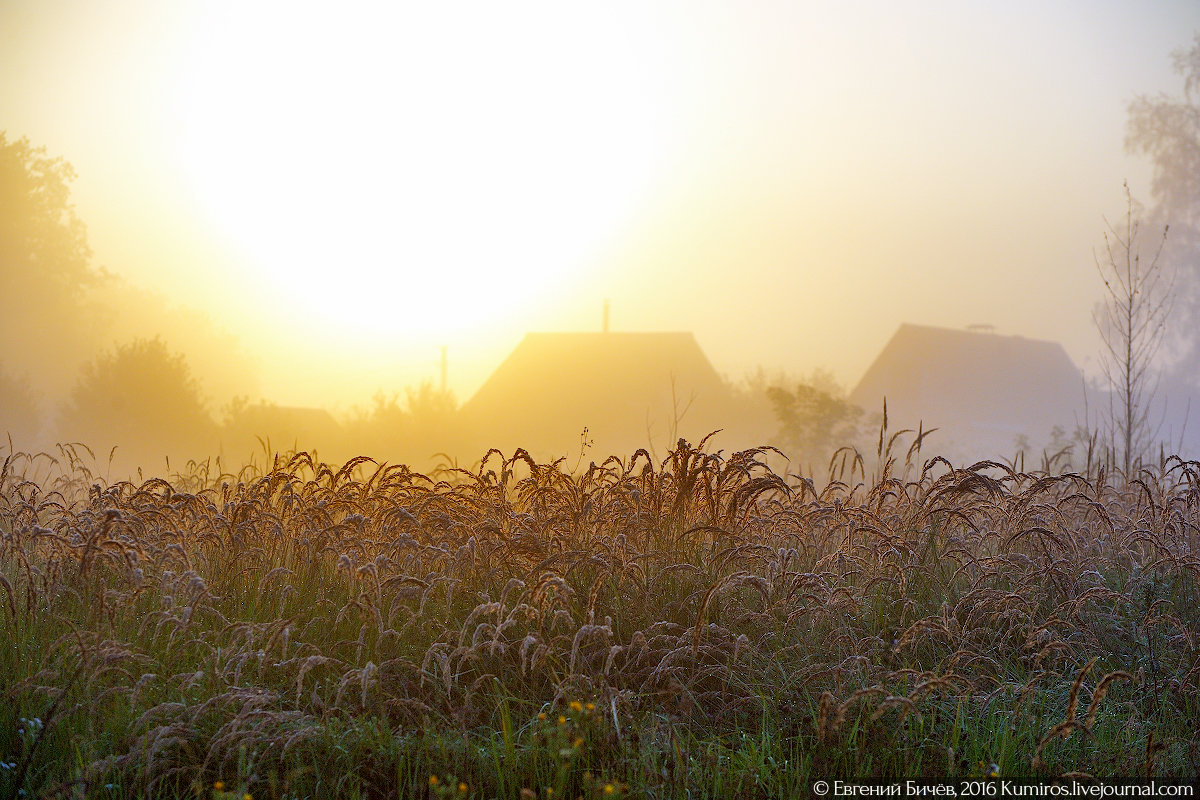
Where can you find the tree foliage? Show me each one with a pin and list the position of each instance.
(45, 261)
(412, 430)
(815, 418)
(39, 229)
(1166, 129)
(141, 398)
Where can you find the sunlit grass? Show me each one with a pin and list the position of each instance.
(700, 627)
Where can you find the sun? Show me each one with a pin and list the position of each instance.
(422, 170)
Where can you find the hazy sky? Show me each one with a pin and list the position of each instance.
(348, 187)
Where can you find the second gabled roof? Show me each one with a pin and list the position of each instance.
(945, 375)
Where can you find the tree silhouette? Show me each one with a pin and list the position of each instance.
(45, 262)
(1166, 129)
(1132, 321)
(425, 423)
(143, 399)
(816, 418)
(19, 415)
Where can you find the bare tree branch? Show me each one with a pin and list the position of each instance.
(1132, 322)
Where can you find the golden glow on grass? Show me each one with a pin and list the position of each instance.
(426, 172)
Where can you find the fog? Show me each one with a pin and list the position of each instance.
(289, 216)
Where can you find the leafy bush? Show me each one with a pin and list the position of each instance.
(142, 399)
(815, 418)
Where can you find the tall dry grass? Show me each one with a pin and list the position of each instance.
(314, 629)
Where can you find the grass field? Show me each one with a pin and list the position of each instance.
(700, 627)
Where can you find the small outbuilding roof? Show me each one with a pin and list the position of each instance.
(285, 426)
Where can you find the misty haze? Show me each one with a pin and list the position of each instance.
(550, 400)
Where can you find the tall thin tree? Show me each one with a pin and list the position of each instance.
(1132, 320)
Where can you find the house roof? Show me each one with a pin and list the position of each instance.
(615, 384)
(948, 377)
(285, 425)
(299, 417)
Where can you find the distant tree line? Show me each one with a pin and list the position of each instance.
(143, 396)
(59, 384)
(143, 399)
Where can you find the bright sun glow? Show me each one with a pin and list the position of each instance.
(422, 170)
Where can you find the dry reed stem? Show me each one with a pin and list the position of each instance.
(826, 704)
(1100, 692)
(1073, 699)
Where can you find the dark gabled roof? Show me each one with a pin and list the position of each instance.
(616, 384)
(945, 376)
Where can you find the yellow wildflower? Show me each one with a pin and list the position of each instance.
(462, 787)
(609, 788)
(219, 786)
(433, 781)
(576, 705)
